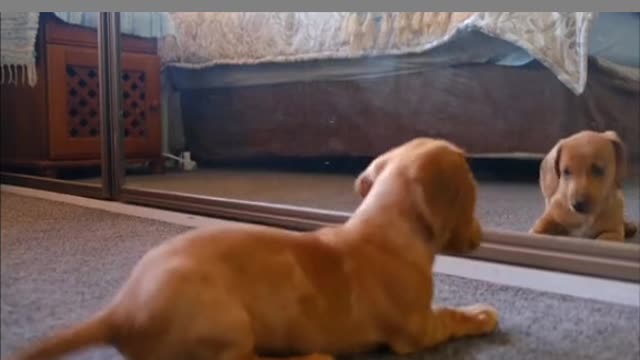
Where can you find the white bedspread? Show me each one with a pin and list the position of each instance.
(557, 39)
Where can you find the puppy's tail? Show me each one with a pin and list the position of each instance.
(95, 331)
(630, 229)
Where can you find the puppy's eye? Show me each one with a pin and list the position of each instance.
(566, 172)
(597, 171)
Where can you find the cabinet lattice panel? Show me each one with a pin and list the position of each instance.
(83, 102)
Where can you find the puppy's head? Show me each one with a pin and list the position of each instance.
(588, 166)
(440, 185)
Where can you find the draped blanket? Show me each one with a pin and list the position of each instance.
(557, 39)
(19, 31)
(17, 47)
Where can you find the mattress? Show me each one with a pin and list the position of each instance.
(558, 40)
(465, 48)
(614, 41)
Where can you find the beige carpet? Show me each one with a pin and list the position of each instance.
(59, 263)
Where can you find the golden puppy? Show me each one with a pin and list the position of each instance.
(242, 292)
(581, 180)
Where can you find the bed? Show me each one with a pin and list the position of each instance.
(254, 85)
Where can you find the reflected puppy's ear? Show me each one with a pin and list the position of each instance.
(620, 152)
(550, 171)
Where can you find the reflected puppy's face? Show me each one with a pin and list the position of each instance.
(446, 189)
(589, 166)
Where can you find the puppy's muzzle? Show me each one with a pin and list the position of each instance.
(581, 206)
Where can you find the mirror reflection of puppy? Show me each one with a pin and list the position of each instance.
(581, 181)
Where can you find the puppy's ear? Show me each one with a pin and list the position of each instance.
(367, 178)
(363, 184)
(446, 198)
(556, 160)
(550, 170)
(620, 152)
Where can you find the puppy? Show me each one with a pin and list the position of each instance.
(241, 292)
(581, 180)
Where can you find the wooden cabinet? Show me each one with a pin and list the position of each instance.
(56, 124)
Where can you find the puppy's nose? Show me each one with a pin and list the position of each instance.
(580, 206)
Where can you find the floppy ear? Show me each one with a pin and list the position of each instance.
(363, 184)
(620, 152)
(466, 234)
(550, 171)
(365, 180)
(449, 202)
(556, 161)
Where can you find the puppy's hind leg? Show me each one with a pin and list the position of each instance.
(223, 332)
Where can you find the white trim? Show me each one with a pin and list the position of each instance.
(613, 291)
(542, 280)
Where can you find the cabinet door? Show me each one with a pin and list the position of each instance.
(74, 104)
(141, 111)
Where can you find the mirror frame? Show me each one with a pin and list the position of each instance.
(619, 261)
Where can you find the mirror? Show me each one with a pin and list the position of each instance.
(233, 113)
(50, 122)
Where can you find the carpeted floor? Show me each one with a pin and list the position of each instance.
(61, 262)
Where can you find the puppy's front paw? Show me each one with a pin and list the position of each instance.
(484, 316)
(612, 236)
(548, 226)
(317, 356)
